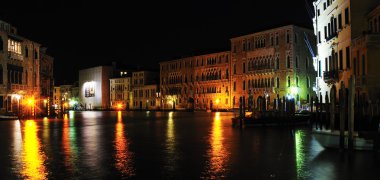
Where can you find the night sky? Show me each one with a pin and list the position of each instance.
(82, 34)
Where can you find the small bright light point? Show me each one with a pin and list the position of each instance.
(293, 90)
(119, 106)
(217, 101)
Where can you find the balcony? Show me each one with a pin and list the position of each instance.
(17, 87)
(331, 76)
(332, 36)
(15, 56)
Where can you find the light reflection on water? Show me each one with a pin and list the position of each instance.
(123, 156)
(69, 143)
(218, 155)
(33, 158)
(171, 157)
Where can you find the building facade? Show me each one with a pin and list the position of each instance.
(273, 63)
(94, 87)
(19, 72)
(268, 64)
(348, 44)
(121, 96)
(198, 82)
(145, 90)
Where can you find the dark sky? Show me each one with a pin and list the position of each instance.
(82, 34)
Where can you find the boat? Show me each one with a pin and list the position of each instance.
(5, 117)
(330, 139)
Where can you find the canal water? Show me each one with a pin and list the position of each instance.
(169, 145)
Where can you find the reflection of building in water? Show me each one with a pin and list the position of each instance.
(32, 156)
(123, 156)
(94, 87)
(70, 148)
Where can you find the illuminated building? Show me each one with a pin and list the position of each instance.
(47, 81)
(200, 82)
(57, 97)
(121, 92)
(145, 90)
(19, 69)
(273, 63)
(262, 65)
(94, 87)
(348, 44)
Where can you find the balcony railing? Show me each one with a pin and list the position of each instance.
(17, 87)
(12, 55)
(332, 36)
(331, 76)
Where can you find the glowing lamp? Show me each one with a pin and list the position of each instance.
(30, 101)
(72, 102)
(119, 106)
(217, 101)
(293, 90)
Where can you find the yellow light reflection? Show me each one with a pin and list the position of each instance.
(123, 156)
(33, 157)
(170, 138)
(218, 153)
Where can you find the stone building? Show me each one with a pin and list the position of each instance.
(199, 82)
(273, 63)
(121, 92)
(94, 87)
(19, 72)
(348, 44)
(145, 90)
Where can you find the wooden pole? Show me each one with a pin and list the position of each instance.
(332, 107)
(342, 108)
(321, 111)
(351, 98)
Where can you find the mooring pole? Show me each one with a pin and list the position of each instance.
(332, 107)
(342, 109)
(351, 98)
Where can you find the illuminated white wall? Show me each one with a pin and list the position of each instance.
(98, 78)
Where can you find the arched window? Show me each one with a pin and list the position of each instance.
(26, 51)
(297, 81)
(35, 54)
(1, 74)
(277, 63)
(288, 81)
(278, 82)
(1, 44)
(288, 62)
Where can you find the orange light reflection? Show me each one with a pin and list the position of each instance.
(123, 156)
(33, 157)
(218, 154)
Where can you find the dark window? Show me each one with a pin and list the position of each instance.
(234, 85)
(243, 67)
(35, 54)
(271, 41)
(347, 16)
(319, 69)
(234, 68)
(340, 21)
(1, 46)
(318, 12)
(325, 32)
(297, 81)
(341, 60)
(287, 37)
(363, 64)
(295, 38)
(1, 74)
(288, 81)
(319, 36)
(288, 62)
(324, 6)
(277, 63)
(1, 102)
(307, 82)
(278, 82)
(296, 61)
(348, 62)
(243, 85)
